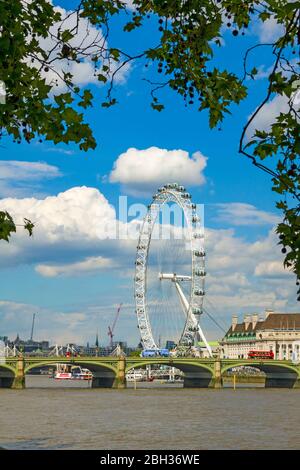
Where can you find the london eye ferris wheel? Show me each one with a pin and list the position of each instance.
(170, 271)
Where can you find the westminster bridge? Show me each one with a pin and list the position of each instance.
(111, 371)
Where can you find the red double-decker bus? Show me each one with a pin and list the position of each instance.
(260, 355)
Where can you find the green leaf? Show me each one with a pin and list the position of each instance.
(102, 78)
(157, 107)
(7, 226)
(29, 226)
(66, 35)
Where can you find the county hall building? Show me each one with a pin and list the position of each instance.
(276, 332)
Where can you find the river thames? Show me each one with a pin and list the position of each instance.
(147, 418)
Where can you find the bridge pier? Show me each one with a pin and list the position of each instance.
(216, 383)
(217, 380)
(120, 379)
(205, 378)
(19, 380)
(202, 379)
(297, 383)
(107, 378)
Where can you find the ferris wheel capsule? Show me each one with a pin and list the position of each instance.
(199, 253)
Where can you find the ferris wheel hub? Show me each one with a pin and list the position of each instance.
(174, 277)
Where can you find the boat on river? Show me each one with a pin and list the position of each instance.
(68, 372)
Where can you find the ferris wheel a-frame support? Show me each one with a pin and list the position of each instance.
(196, 324)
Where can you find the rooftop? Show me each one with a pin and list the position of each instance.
(273, 321)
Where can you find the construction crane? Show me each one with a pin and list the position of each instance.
(111, 328)
(31, 336)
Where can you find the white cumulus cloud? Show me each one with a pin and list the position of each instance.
(61, 327)
(87, 266)
(269, 31)
(267, 115)
(69, 227)
(17, 170)
(270, 269)
(142, 171)
(17, 177)
(70, 239)
(238, 214)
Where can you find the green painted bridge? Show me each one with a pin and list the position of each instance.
(111, 371)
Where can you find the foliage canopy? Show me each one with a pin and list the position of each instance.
(38, 41)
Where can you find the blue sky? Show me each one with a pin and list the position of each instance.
(73, 280)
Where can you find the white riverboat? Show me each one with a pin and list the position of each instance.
(68, 372)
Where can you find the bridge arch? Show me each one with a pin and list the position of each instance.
(195, 375)
(9, 367)
(86, 364)
(7, 375)
(278, 374)
(104, 373)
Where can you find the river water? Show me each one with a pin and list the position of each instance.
(154, 417)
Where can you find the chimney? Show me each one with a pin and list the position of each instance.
(267, 312)
(234, 321)
(247, 321)
(254, 320)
